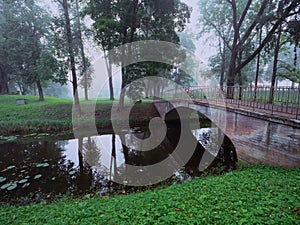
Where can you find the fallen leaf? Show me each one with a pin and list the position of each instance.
(25, 185)
(105, 197)
(295, 209)
(191, 215)
(177, 209)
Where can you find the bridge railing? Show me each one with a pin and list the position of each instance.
(284, 100)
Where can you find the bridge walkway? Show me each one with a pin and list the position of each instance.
(271, 112)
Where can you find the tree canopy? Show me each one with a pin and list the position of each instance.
(120, 22)
(237, 23)
(27, 59)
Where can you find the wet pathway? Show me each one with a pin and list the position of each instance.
(258, 140)
(255, 139)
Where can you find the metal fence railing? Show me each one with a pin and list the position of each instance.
(285, 100)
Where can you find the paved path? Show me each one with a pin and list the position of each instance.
(257, 137)
(264, 112)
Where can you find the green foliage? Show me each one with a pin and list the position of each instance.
(255, 195)
(27, 55)
(120, 22)
(237, 23)
(135, 91)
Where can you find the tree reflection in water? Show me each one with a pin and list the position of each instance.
(86, 165)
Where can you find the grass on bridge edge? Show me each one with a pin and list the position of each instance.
(256, 194)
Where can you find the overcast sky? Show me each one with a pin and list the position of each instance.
(203, 50)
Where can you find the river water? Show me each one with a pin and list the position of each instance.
(46, 168)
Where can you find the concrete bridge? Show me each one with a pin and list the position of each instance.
(256, 136)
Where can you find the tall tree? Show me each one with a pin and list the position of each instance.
(294, 30)
(121, 22)
(71, 52)
(85, 62)
(8, 22)
(26, 60)
(245, 16)
(283, 10)
(213, 23)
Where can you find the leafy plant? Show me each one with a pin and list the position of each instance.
(257, 194)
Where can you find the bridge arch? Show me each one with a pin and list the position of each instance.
(213, 114)
(204, 157)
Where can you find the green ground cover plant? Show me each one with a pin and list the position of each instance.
(256, 194)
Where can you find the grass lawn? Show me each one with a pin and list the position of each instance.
(51, 116)
(257, 194)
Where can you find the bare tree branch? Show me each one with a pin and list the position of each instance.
(255, 21)
(220, 33)
(60, 2)
(244, 13)
(269, 35)
(230, 2)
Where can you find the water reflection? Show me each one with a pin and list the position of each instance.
(25, 159)
(63, 169)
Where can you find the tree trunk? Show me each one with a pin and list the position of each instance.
(240, 80)
(123, 90)
(147, 89)
(274, 73)
(72, 57)
(110, 78)
(257, 64)
(22, 88)
(125, 150)
(40, 90)
(80, 156)
(123, 71)
(222, 50)
(222, 72)
(157, 90)
(111, 88)
(295, 63)
(234, 54)
(231, 73)
(113, 159)
(3, 82)
(132, 30)
(84, 70)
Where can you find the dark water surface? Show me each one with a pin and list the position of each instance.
(46, 168)
(36, 170)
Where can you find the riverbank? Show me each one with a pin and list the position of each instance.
(54, 115)
(256, 194)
